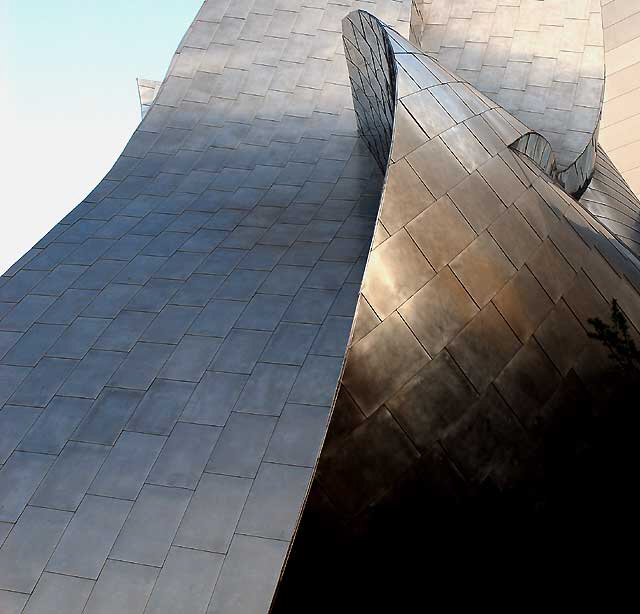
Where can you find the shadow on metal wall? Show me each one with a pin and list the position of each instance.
(535, 501)
(560, 531)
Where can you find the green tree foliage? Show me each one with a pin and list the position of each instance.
(616, 338)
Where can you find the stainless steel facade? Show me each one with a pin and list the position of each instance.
(472, 315)
(541, 61)
(171, 349)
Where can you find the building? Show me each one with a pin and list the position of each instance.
(421, 183)
(147, 91)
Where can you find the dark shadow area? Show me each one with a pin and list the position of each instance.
(558, 529)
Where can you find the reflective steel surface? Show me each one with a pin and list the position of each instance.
(475, 297)
(610, 199)
(169, 352)
(542, 61)
(306, 182)
(470, 332)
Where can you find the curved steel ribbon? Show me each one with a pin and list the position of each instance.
(544, 62)
(475, 298)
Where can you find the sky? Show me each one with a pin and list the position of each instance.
(69, 100)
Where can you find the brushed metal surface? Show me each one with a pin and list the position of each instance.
(536, 59)
(195, 305)
(303, 166)
(494, 336)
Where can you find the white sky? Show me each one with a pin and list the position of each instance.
(69, 102)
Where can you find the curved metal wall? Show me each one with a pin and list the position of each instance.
(544, 62)
(613, 194)
(541, 61)
(169, 352)
(612, 202)
(473, 310)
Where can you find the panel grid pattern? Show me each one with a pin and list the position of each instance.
(543, 61)
(170, 350)
(471, 321)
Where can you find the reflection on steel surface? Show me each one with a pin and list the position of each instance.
(544, 62)
(541, 61)
(472, 313)
(172, 348)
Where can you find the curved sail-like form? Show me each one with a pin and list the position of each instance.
(306, 181)
(169, 352)
(478, 287)
(545, 63)
(470, 336)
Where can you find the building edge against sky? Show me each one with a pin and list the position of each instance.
(63, 46)
(188, 320)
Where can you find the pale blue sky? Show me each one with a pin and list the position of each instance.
(69, 100)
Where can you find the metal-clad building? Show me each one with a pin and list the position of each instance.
(349, 242)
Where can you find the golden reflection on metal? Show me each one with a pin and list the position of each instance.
(480, 280)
